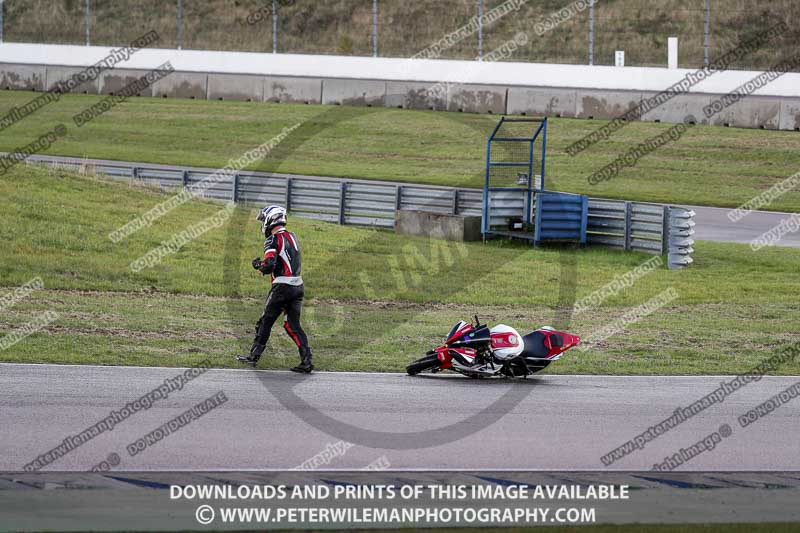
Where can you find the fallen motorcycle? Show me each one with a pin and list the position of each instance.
(477, 351)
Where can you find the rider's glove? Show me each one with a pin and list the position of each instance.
(257, 263)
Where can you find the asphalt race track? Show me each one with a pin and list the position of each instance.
(551, 422)
(713, 224)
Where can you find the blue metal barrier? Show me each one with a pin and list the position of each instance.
(560, 217)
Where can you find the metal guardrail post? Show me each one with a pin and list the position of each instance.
(374, 28)
(235, 187)
(455, 201)
(707, 32)
(591, 33)
(480, 30)
(275, 30)
(665, 231)
(88, 22)
(584, 219)
(180, 24)
(134, 174)
(398, 197)
(288, 199)
(628, 224)
(342, 200)
(185, 178)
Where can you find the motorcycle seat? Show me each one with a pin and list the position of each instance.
(536, 344)
(533, 345)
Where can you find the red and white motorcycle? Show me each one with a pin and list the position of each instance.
(477, 351)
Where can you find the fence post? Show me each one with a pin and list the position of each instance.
(342, 200)
(374, 28)
(180, 24)
(628, 221)
(707, 32)
(275, 31)
(591, 33)
(480, 30)
(88, 21)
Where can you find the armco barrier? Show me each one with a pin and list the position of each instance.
(637, 226)
(628, 225)
(505, 206)
(344, 201)
(633, 226)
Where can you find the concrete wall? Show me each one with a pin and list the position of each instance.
(243, 88)
(182, 85)
(354, 92)
(790, 115)
(437, 226)
(113, 81)
(605, 104)
(497, 73)
(53, 75)
(755, 112)
(476, 99)
(678, 108)
(414, 95)
(292, 90)
(768, 112)
(22, 78)
(544, 101)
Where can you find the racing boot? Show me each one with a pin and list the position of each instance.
(255, 354)
(305, 366)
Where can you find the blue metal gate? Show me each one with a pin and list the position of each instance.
(515, 166)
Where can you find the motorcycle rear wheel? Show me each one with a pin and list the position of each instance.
(420, 365)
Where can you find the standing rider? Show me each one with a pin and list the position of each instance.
(282, 262)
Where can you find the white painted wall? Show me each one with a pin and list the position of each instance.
(500, 73)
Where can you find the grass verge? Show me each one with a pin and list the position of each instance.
(706, 166)
(375, 300)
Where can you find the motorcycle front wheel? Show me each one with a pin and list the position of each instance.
(428, 362)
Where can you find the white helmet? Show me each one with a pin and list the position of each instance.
(271, 216)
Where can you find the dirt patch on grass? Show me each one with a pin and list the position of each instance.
(148, 292)
(216, 334)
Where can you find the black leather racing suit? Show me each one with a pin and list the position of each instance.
(282, 262)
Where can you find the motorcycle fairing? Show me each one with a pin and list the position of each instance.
(448, 356)
(470, 337)
(459, 330)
